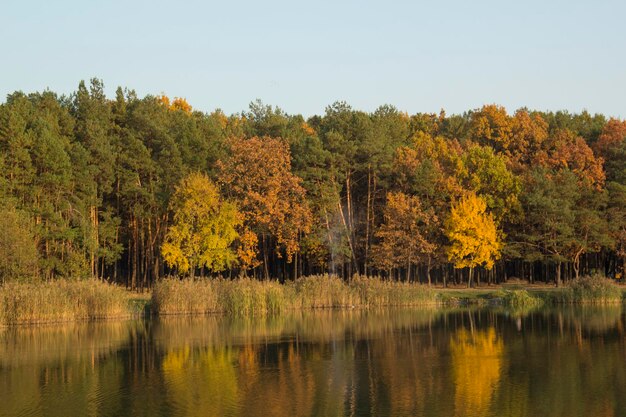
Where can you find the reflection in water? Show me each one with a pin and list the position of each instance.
(202, 382)
(476, 363)
(566, 362)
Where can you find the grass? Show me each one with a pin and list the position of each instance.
(249, 297)
(201, 296)
(246, 297)
(60, 301)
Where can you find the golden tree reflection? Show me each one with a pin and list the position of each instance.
(202, 382)
(477, 364)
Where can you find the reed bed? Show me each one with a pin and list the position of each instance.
(59, 301)
(249, 297)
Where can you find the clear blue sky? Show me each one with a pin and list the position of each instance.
(302, 56)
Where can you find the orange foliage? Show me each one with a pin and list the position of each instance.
(308, 129)
(180, 103)
(492, 126)
(247, 250)
(164, 100)
(566, 150)
(613, 134)
(405, 232)
(529, 132)
(258, 174)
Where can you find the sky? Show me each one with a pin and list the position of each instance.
(303, 56)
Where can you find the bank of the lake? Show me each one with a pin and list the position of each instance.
(67, 301)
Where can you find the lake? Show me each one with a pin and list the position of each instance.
(565, 362)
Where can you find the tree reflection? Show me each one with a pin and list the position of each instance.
(201, 382)
(560, 363)
(477, 360)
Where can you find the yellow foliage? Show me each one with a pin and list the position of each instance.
(203, 228)
(474, 237)
(178, 103)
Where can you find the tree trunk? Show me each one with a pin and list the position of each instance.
(408, 270)
(445, 277)
(367, 221)
(295, 266)
(265, 258)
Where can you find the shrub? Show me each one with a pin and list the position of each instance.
(520, 299)
(594, 289)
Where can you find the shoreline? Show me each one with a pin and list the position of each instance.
(80, 301)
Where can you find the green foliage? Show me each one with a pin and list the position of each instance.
(487, 174)
(95, 180)
(18, 251)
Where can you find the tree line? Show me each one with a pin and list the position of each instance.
(131, 189)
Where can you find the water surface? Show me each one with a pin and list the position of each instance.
(490, 362)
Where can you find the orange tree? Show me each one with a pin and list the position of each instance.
(257, 174)
(404, 235)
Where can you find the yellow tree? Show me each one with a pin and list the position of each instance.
(474, 237)
(178, 103)
(204, 227)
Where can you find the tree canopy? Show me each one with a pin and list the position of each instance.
(203, 227)
(130, 189)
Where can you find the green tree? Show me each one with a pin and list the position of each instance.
(487, 174)
(18, 251)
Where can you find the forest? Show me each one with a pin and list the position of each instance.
(130, 190)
